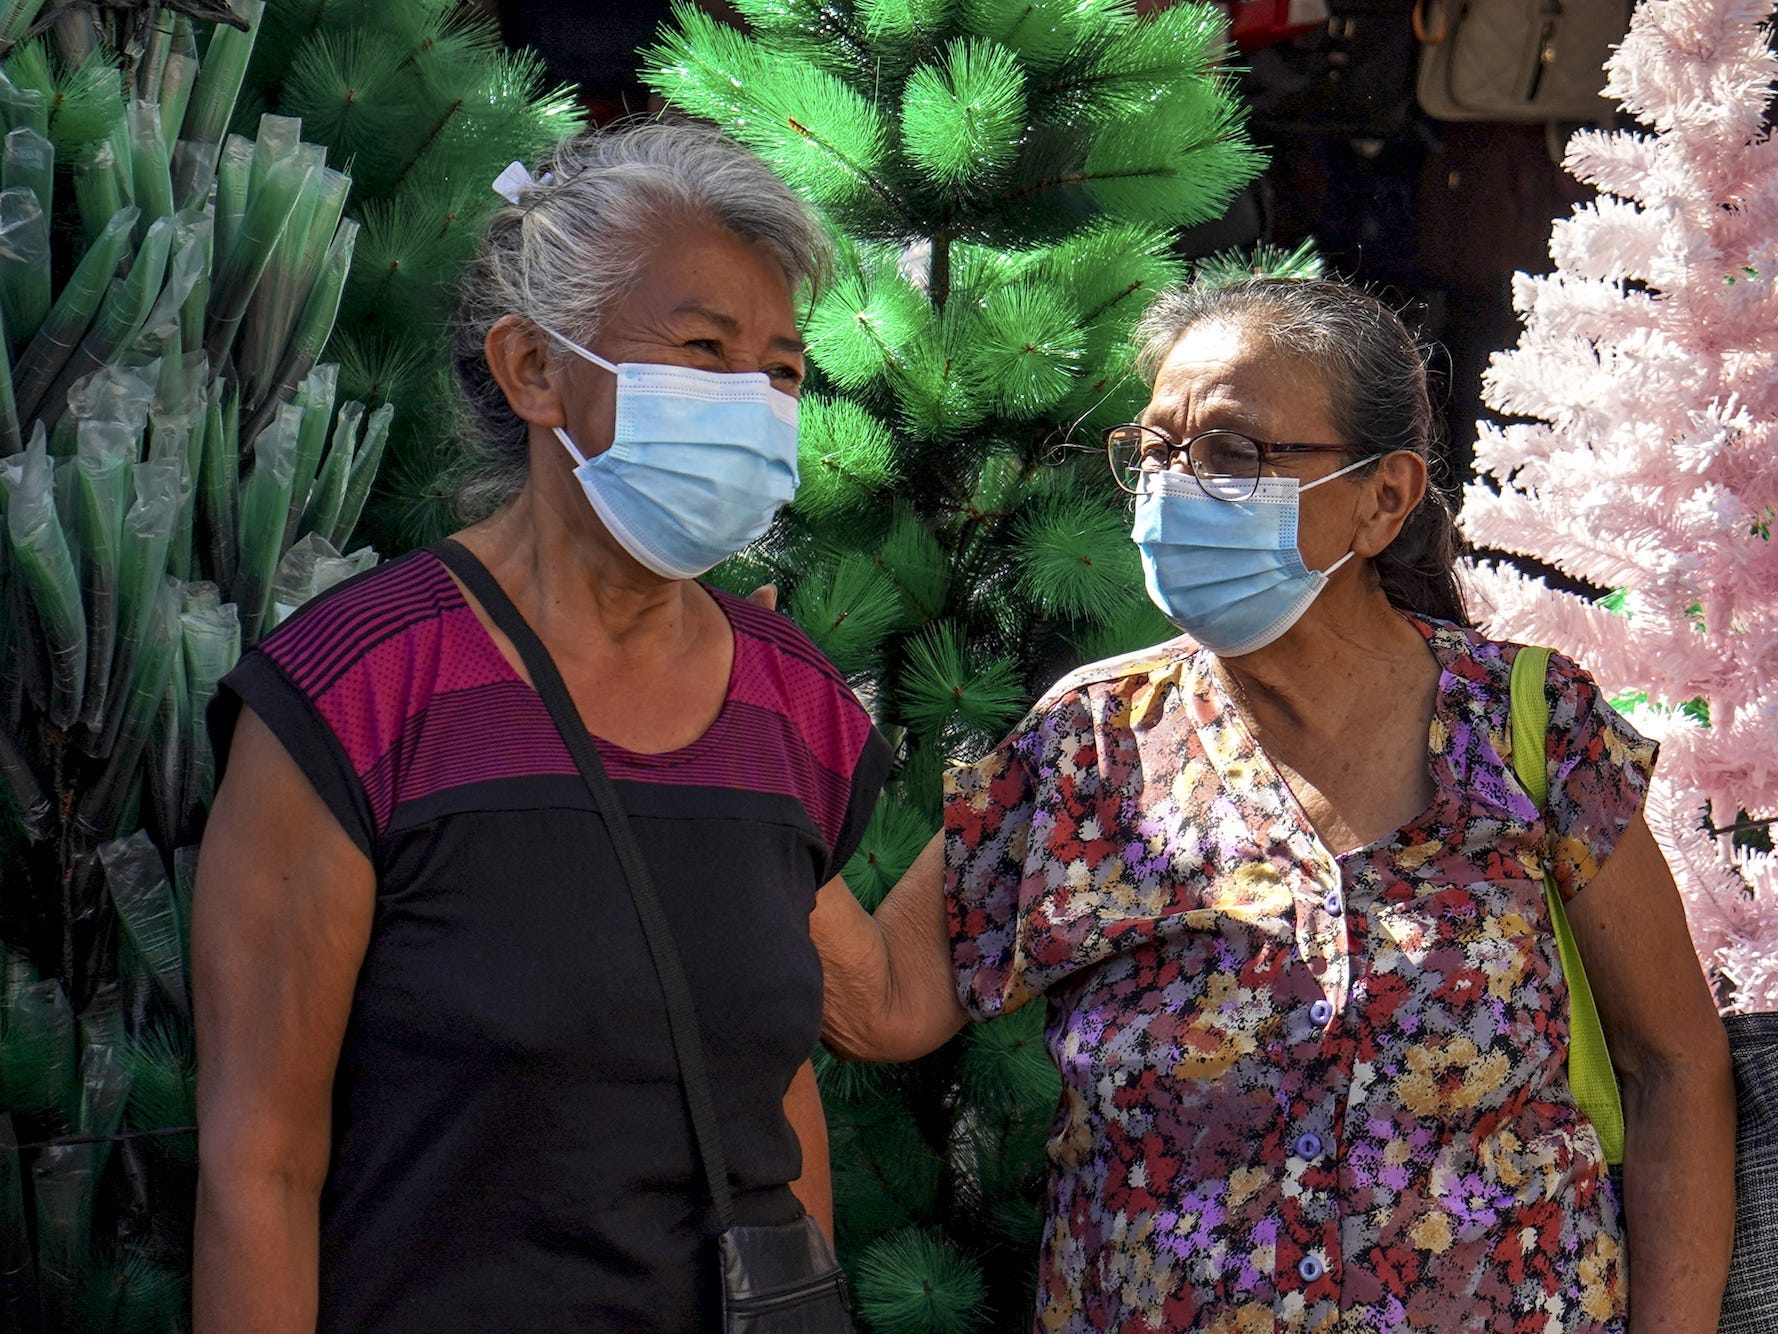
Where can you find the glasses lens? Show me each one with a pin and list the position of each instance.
(1226, 464)
(1134, 450)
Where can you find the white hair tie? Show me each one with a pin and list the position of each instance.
(513, 183)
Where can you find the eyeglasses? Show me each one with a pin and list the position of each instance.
(1226, 463)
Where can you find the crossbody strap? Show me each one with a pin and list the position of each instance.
(1590, 1075)
(682, 1018)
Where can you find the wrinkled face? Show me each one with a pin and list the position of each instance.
(1220, 377)
(703, 298)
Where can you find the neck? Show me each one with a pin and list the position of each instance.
(1332, 663)
(575, 584)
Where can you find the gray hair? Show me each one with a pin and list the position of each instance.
(568, 251)
(1375, 375)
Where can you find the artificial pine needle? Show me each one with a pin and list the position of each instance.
(893, 838)
(946, 689)
(916, 1282)
(1075, 558)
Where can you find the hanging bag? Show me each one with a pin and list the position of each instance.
(1517, 60)
(1590, 1075)
(1750, 1301)
(776, 1278)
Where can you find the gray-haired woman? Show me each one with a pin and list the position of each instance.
(438, 1089)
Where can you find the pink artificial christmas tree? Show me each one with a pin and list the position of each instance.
(1649, 363)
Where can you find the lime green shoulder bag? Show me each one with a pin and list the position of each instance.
(1590, 1075)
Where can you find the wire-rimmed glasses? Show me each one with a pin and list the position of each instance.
(1226, 463)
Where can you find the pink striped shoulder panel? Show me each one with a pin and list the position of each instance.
(399, 668)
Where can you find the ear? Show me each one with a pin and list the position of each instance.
(518, 357)
(1394, 492)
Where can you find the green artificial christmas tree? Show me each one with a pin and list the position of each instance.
(185, 449)
(1006, 177)
(426, 107)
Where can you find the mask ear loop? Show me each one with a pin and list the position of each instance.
(1310, 486)
(588, 355)
(568, 444)
(1337, 472)
(585, 354)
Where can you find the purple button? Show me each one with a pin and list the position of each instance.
(1308, 1145)
(1334, 904)
(1320, 1012)
(1310, 1268)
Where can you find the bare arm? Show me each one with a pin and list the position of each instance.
(889, 993)
(1672, 1057)
(814, 1188)
(280, 922)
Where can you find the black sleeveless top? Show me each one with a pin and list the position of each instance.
(511, 1148)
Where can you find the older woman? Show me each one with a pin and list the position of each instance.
(438, 1088)
(1282, 897)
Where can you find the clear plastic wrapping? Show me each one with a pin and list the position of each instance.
(310, 568)
(100, 811)
(265, 501)
(102, 472)
(147, 533)
(211, 636)
(24, 263)
(139, 889)
(40, 554)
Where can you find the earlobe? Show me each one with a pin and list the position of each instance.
(1396, 489)
(518, 358)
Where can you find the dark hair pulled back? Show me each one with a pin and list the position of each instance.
(1375, 373)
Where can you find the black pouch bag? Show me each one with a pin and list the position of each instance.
(776, 1278)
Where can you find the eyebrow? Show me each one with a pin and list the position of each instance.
(732, 327)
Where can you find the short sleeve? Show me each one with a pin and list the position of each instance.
(868, 775)
(1016, 856)
(259, 683)
(1599, 768)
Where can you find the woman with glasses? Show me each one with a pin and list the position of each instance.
(1282, 897)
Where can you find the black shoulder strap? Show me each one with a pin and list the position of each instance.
(682, 1018)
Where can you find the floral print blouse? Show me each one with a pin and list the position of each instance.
(1299, 1092)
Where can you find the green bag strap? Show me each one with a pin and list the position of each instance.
(1590, 1075)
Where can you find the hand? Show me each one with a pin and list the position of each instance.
(766, 595)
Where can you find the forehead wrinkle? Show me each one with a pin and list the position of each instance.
(727, 323)
(1216, 407)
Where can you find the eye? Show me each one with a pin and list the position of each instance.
(709, 345)
(785, 375)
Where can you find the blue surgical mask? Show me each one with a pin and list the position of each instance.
(698, 465)
(1228, 573)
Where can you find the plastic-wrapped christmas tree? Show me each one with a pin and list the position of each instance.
(1006, 176)
(1650, 363)
(425, 104)
(179, 465)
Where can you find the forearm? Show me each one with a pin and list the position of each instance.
(1679, 1183)
(889, 993)
(858, 1013)
(256, 1259)
(814, 1188)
